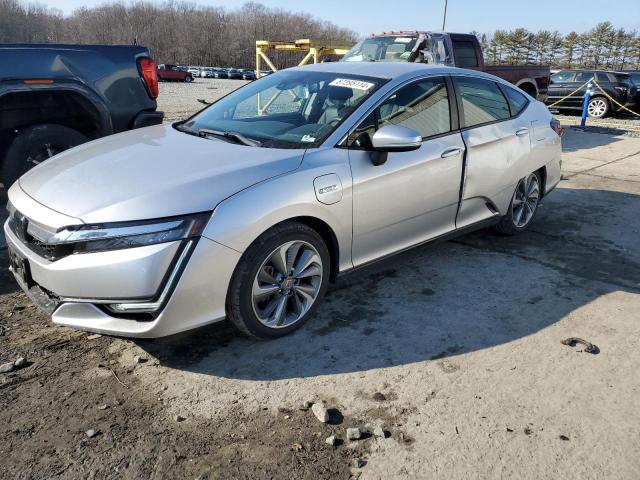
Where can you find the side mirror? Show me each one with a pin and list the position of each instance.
(393, 138)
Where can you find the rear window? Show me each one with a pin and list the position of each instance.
(465, 54)
(517, 100)
(482, 101)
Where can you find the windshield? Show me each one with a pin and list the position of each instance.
(288, 109)
(399, 48)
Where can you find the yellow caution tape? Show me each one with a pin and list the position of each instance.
(570, 95)
(614, 101)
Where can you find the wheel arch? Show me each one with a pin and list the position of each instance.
(528, 85)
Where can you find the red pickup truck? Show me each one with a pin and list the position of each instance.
(171, 73)
(451, 49)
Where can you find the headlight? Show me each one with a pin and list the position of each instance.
(115, 236)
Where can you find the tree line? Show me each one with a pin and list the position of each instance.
(602, 47)
(181, 32)
(177, 32)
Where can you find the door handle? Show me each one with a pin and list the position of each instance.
(522, 131)
(451, 152)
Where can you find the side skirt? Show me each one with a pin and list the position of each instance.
(441, 238)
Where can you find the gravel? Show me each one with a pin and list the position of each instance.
(354, 434)
(179, 101)
(321, 412)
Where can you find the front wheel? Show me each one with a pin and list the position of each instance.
(598, 107)
(279, 281)
(523, 207)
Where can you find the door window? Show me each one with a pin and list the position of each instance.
(561, 77)
(482, 101)
(517, 100)
(583, 77)
(422, 106)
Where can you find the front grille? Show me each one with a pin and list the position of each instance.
(19, 224)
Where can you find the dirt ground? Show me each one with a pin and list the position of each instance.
(454, 349)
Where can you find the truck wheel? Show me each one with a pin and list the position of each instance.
(34, 145)
(598, 107)
(188, 79)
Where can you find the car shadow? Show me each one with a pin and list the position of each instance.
(434, 302)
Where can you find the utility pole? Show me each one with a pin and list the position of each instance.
(444, 18)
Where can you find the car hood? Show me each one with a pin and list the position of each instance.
(149, 173)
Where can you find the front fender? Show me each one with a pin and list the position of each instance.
(240, 219)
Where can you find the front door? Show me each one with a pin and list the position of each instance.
(413, 196)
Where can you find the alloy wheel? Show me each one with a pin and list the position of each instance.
(597, 107)
(287, 284)
(525, 200)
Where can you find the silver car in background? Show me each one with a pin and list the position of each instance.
(251, 207)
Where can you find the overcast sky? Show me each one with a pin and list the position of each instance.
(463, 15)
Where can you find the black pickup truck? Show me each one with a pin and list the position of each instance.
(54, 97)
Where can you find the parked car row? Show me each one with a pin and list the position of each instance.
(619, 86)
(219, 72)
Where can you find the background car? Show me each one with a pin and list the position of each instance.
(220, 73)
(207, 73)
(617, 85)
(195, 71)
(248, 74)
(172, 73)
(234, 73)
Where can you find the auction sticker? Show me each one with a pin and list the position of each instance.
(349, 83)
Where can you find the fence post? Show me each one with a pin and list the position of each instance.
(585, 105)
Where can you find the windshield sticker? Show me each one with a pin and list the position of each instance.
(348, 83)
(308, 139)
(403, 40)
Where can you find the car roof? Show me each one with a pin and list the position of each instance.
(388, 70)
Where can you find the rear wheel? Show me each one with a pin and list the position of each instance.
(34, 145)
(279, 281)
(599, 107)
(523, 207)
(188, 79)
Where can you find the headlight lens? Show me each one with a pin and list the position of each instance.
(115, 236)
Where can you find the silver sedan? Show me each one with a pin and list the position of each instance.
(248, 209)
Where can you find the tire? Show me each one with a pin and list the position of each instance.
(599, 107)
(515, 221)
(35, 144)
(188, 79)
(248, 306)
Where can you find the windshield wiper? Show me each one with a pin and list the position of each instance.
(236, 137)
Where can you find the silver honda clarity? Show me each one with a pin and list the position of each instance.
(248, 209)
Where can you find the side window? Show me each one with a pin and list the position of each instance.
(602, 77)
(516, 99)
(583, 77)
(422, 106)
(465, 54)
(562, 77)
(482, 101)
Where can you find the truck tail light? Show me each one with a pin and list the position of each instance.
(556, 127)
(150, 76)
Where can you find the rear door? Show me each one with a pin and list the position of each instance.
(577, 99)
(497, 149)
(560, 86)
(413, 196)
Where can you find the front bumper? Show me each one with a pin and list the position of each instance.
(75, 289)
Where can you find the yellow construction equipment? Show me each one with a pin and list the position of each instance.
(314, 51)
